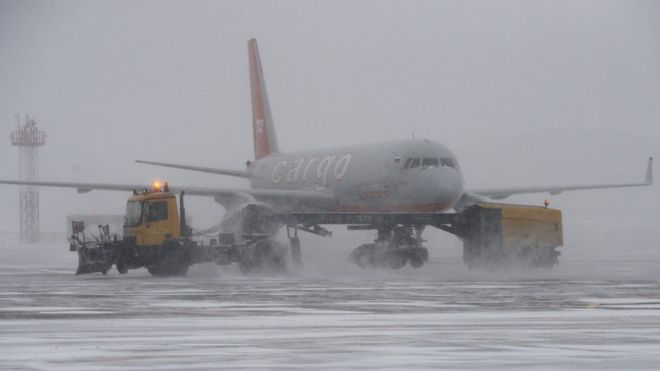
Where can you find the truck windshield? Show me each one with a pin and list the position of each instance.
(133, 213)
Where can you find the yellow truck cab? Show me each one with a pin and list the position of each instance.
(152, 217)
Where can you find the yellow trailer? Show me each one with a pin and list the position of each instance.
(498, 234)
(528, 225)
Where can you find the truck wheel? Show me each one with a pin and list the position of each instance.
(174, 261)
(271, 255)
(264, 256)
(121, 267)
(546, 257)
(245, 266)
(165, 270)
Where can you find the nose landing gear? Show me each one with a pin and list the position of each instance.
(294, 243)
(394, 248)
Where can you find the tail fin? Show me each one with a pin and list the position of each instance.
(265, 141)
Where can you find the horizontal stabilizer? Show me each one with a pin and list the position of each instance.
(238, 173)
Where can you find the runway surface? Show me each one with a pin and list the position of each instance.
(584, 315)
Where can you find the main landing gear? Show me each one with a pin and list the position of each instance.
(394, 248)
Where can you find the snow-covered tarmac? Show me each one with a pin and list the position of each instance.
(441, 316)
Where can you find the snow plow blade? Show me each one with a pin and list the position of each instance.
(91, 259)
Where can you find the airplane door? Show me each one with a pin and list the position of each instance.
(393, 178)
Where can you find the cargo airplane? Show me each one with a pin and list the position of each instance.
(391, 187)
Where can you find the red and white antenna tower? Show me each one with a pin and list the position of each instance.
(28, 139)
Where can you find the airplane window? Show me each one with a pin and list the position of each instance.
(447, 162)
(428, 162)
(415, 162)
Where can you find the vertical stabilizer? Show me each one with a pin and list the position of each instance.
(265, 141)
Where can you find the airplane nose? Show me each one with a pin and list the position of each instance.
(447, 185)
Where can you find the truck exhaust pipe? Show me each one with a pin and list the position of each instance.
(185, 233)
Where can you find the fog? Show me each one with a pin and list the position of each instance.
(524, 93)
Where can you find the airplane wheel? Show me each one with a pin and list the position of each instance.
(396, 260)
(363, 255)
(419, 256)
(416, 261)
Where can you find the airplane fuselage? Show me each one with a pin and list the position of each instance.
(403, 176)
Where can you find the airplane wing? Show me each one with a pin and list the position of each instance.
(500, 193)
(238, 173)
(227, 197)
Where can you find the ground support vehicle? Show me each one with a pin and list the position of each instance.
(171, 258)
(494, 235)
(499, 235)
(156, 237)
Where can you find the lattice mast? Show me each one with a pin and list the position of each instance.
(28, 138)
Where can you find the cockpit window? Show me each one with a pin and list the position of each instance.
(411, 162)
(447, 162)
(428, 162)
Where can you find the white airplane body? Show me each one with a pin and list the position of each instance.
(368, 178)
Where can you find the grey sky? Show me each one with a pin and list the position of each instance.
(525, 93)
